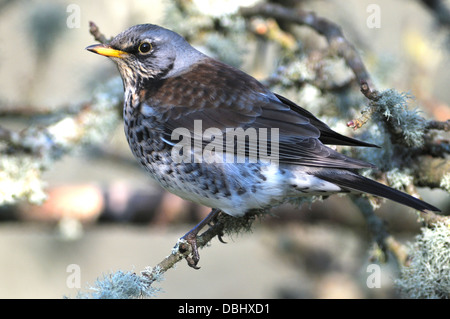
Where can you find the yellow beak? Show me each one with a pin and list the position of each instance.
(106, 50)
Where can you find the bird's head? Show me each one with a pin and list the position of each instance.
(148, 52)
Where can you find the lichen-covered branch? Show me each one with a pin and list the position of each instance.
(122, 284)
(332, 32)
(26, 154)
(405, 126)
(438, 125)
(224, 224)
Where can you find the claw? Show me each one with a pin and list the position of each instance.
(219, 236)
(191, 238)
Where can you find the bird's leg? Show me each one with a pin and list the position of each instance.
(191, 237)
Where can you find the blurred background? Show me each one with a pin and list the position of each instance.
(102, 212)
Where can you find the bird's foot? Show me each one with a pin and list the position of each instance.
(194, 257)
(191, 238)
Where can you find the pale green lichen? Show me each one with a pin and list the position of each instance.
(399, 179)
(445, 182)
(394, 106)
(428, 275)
(124, 285)
(311, 96)
(20, 179)
(297, 71)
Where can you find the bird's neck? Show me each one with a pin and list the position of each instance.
(130, 102)
(137, 104)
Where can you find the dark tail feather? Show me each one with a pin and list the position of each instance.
(359, 183)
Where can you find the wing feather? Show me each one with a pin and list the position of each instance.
(226, 97)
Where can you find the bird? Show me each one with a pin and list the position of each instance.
(180, 108)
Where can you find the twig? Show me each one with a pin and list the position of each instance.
(182, 249)
(24, 110)
(397, 249)
(373, 96)
(95, 31)
(438, 125)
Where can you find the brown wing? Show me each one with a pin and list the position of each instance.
(224, 97)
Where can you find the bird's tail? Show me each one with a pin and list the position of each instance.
(354, 182)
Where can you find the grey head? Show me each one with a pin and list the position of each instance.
(149, 52)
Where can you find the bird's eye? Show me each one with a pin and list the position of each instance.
(145, 47)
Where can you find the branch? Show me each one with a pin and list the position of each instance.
(98, 36)
(366, 114)
(26, 154)
(24, 110)
(438, 125)
(332, 32)
(121, 285)
(225, 224)
(344, 49)
(336, 40)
